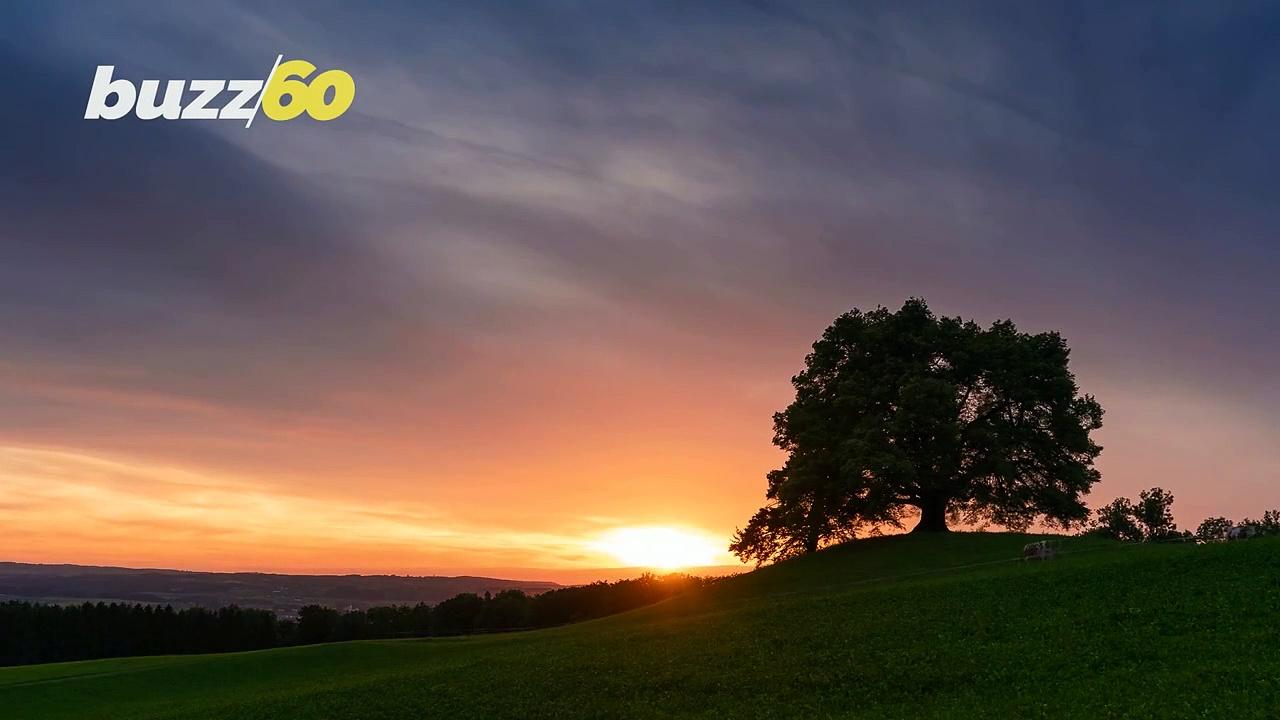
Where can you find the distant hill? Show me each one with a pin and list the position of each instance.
(955, 626)
(282, 593)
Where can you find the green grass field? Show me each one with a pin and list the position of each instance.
(904, 627)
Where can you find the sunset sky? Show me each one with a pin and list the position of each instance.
(548, 279)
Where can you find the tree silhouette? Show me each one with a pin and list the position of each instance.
(457, 615)
(905, 413)
(1154, 513)
(1117, 520)
(1214, 529)
(1148, 519)
(317, 623)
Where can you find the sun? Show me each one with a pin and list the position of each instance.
(660, 548)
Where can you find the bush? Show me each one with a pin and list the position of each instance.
(1268, 525)
(1149, 519)
(1213, 529)
(1115, 520)
(1154, 513)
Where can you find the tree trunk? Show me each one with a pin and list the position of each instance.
(813, 533)
(933, 517)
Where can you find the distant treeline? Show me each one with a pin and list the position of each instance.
(1150, 519)
(36, 632)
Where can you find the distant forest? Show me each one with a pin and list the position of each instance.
(38, 632)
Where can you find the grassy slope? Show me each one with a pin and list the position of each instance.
(860, 631)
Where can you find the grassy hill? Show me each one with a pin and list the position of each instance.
(919, 627)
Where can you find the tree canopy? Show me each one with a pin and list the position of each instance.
(901, 414)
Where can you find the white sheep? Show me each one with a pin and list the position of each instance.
(1242, 532)
(1041, 550)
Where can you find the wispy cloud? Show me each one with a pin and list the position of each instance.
(560, 259)
(56, 502)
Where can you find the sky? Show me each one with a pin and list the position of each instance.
(549, 277)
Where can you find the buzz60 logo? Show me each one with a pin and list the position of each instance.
(291, 88)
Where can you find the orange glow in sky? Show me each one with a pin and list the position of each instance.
(72, 507)
(528, 309)
(554, 491)
(662, 548)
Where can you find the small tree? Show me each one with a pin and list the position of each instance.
(1213, 529)
(1154, 514)
(1115, 520)
(1151, 518)
(317, 624)
(507, 610)
(457, 615)
(1268, 525)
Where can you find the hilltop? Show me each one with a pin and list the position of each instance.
(912, 626)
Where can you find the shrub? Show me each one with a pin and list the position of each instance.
(1213, 529)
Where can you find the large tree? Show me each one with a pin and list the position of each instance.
(904, 413)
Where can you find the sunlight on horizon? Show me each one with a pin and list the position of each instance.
(660, 547)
